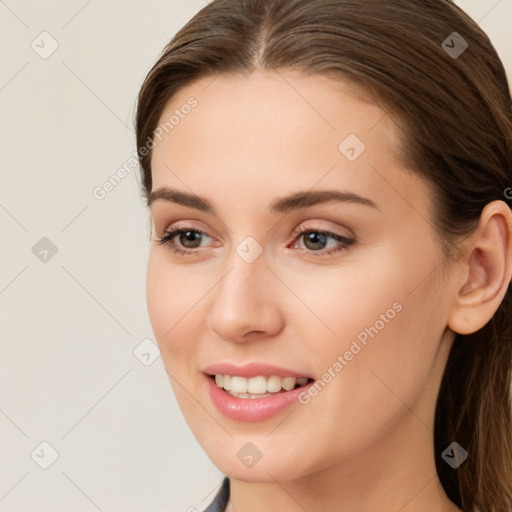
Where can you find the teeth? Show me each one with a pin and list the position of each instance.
(274, 384)
(238, 384)
(289, 383)
(248, 395)
(257, 387)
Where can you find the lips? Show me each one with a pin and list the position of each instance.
(248, 407)
(253, 369)
(253, 410)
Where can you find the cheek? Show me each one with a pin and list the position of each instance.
(349, 299)
(384, 311)
(159, 291)
(170, 301)
(388, 321)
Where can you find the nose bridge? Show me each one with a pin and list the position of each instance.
(246, 284)
(248, 270)
(245, 299)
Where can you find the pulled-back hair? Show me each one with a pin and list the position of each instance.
(455, 115)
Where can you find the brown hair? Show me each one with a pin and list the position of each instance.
(456, 114)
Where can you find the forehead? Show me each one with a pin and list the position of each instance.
(280, 130)
(265, 108)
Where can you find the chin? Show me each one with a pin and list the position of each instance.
(268, 468)
(258, 473)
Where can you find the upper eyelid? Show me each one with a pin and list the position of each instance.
(174, 231)
(189, 225)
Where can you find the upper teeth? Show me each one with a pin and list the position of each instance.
(258, 385)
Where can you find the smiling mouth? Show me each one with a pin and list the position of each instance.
(258, 387)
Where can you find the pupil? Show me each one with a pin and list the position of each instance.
(191, 236)
(315, 238)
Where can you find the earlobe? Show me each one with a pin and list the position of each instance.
(487, 270)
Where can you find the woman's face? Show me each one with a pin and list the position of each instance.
(360, 310)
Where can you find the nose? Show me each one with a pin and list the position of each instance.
(245, 303)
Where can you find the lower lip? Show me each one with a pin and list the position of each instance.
(252, 409)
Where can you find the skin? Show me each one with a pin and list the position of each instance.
(365, 442)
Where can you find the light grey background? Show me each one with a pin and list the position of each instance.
(70, 326)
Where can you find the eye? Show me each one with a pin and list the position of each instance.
(186, 236)
(315, 240)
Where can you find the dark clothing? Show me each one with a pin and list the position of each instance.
(221, 499)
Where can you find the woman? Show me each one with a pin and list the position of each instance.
(328, 279)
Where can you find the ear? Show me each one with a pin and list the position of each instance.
(486, 270)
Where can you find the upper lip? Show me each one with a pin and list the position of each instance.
(253, 369)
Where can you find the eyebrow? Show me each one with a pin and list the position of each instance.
(286, 204)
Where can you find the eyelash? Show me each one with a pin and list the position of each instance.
(166, 240)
